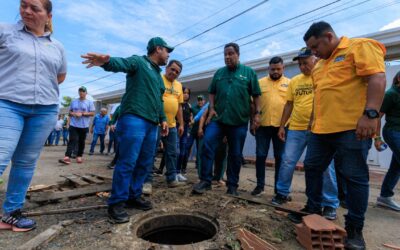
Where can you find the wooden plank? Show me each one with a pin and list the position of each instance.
(45, 237)
(250, 241)
(64, 211)
(78, 182)
(258, 201)
(105, 178)
(92, 179)
(49, 196)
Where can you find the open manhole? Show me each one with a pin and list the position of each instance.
(177, 229)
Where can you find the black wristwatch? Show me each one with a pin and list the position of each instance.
(371, 113)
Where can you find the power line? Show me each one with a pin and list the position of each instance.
(206, 18)
(285, 29)
(259, 31)
(91, 81)
(109, 86)
(221, 23)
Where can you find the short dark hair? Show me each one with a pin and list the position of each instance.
(317, 29)
(176, 62)
(235, 46)
(276, 60)
(396, 78)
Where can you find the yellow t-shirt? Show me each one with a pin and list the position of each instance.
(300, 92)
(173, 96)
(272, 100)
(340, 92)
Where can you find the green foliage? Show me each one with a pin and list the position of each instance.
(66, 101)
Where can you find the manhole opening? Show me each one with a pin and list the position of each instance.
(177, 229)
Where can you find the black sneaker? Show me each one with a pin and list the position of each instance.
(201, 187)
(257, 191)
(279, 199)
(354, 239)
(139, 203)
(297, 218)
(111, 165)
(232, 191)
(117, 213)
(329, 213)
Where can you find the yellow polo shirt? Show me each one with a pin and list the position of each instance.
(173, 96)
(300, 92)
(272, 100)
(340, 92)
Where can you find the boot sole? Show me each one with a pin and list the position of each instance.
(116, 221)
(381, 204)
(5, 226)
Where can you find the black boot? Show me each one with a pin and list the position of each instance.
(117, 213)
(201, 187)
(139, 203)
(354, 239)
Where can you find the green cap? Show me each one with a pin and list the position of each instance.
(158, 41)
(200, 97)
(83, 89)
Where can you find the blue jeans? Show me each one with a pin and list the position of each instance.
(137, 139)
(57, 135)
(50, 138)
(149, 177)
(264, 135)
(392, 177)
(23, 132)
(296, 142)
(350, 160)
(171, 153)
(183, 150)
(111, 141)
(94, 141)
(65, 136)
(214, 133)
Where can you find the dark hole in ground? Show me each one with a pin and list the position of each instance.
(177, 229)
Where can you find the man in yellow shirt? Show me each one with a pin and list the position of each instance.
(298, 108)
(173, 98)
(349, 85)
(272, 100)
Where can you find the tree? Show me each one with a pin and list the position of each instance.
(66, 101)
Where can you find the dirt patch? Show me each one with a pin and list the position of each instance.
(92, 230)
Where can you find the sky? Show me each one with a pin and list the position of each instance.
(122, 28)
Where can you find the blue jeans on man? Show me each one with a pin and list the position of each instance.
(65, 135)
(264, 135)
(137, 138)
(351, 160)
(23, 131)
(183, 151)
(94, 141)
(171, 151)
(296, 142)
(392, 138)
(213, 136)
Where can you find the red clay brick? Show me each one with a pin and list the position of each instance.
(316, 232)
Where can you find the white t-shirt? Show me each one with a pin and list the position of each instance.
(59, 125)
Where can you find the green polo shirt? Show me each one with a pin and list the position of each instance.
(233, 90)
(195, 110)
(116, 115)
(391, 108)
(144, 87)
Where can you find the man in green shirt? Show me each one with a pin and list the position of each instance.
(141, 111)
(229, 112)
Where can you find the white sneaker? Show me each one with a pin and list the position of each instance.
(147, 189)
(387, 202)
(181, 178)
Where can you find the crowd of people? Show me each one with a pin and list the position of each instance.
(333, 108)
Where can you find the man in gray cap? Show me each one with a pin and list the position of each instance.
(142, 110)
